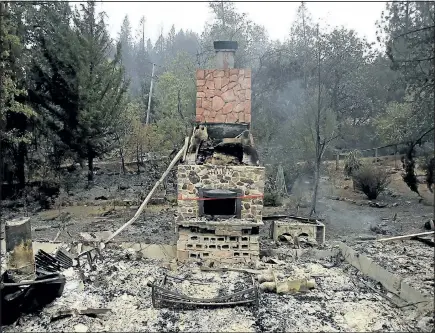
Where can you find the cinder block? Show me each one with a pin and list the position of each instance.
(181, 245)
(244, 247)
(182, 255)
(183, 236)
(297, 228)
(223, 254)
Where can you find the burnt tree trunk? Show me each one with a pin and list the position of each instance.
(20, 164)
(121, 153)
(137, 159)
(90, 167)
(316, 185)
(409, 165)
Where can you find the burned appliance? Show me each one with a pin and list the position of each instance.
(220, 181)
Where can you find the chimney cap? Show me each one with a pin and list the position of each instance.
(225, 45)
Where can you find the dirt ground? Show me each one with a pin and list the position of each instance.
(341, 302)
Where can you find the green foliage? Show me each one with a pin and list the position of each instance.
(176, 96)
(272, 199)
(352, 162)
(12, 94)
(407, 29)
(402, 122)
(371, 180)
(228, 24)
(78, 90)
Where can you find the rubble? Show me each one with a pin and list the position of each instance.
(340, 302)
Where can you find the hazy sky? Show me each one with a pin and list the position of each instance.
(276, 17)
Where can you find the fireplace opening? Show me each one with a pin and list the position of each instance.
(220, 207)
(226, 203)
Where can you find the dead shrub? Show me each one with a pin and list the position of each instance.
(272, 199)
(352, 162)
(370, 180)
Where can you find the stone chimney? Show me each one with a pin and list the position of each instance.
(223, 93)
(225, 51)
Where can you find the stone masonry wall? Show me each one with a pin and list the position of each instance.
(250, 179)
(223, 96)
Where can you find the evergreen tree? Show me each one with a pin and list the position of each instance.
(102, 86)
(14, 111)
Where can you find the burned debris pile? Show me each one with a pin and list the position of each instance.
(211, 146)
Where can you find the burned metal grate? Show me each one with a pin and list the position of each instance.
(163, 296)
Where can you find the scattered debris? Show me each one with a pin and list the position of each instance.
(75, 312)
(289, 286)
(28, 296)
(49, 263)
(377, 204)
(401, 292)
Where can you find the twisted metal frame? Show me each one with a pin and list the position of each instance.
(161, 296)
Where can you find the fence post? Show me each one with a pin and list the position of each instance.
(376, 154)
(337, 161)
(395, 156)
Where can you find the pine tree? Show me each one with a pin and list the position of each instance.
(78, 90)
(14, 111)
(102, 88)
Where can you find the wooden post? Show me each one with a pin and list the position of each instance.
(395, 157)
(147, 119)
(19, 249)
(337, 161)
(145, 202)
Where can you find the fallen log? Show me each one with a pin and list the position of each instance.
(426, 241)
(406, 236)
(147, 199)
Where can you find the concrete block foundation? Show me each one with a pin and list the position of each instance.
(298, 227)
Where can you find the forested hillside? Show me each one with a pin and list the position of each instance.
(71, 93)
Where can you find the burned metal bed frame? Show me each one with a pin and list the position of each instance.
(161, 295)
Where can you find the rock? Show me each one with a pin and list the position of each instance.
(217, 103)
(395, 204)
(101, 197)
(80, 328)
(123, 187)
(429, 225)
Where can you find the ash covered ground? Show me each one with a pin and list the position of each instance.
(340, 302)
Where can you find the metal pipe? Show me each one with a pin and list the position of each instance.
(26, 283)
